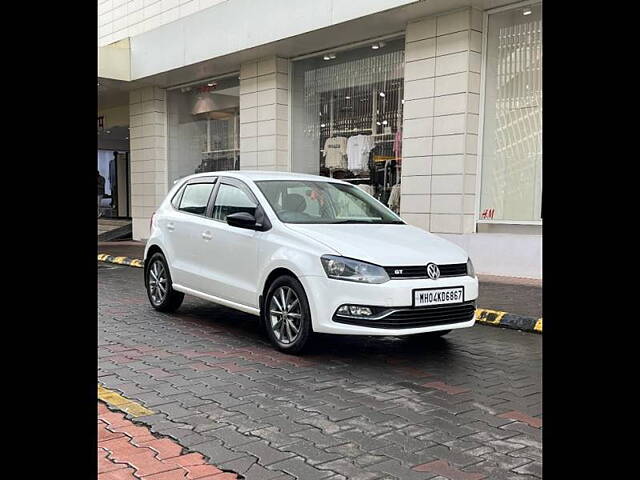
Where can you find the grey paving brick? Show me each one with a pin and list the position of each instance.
(231, 437)
(239, 465)
(265, 453)
(258, 472)
(216, 451)
(312, 454)
(297, 467)
(175, 410)
(349, 470)
(318, 438)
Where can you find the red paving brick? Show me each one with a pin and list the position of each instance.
(127, 451)
(522, 417)
(442, 467)
(450, 389)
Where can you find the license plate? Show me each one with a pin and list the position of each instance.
(438, 296)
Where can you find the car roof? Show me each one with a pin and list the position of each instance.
(257, 175)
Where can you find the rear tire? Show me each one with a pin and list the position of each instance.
(160, 290)
(286, 316)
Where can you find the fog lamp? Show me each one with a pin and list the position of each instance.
(354, 311)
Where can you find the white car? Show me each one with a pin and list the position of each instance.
(306, 254)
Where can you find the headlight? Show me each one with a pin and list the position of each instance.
(470, 271)
(342, 268)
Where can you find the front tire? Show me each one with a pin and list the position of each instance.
(286, 315)
(160, 290)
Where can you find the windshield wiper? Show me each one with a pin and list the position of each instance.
(351, 221)
(369, 222)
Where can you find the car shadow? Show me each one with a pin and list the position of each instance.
(322, 346)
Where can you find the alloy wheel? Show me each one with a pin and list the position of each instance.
(157, 282)
(285, 313)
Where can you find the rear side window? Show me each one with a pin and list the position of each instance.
(195, 198)
(231, 199)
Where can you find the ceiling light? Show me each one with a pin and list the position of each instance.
(382, 94)
(322, 125)
(526, 11)
(329, 56)
(375, 46)
(384, 122)
(211, 84)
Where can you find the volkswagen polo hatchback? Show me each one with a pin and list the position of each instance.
(305, 254)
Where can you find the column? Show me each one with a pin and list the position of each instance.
(440, 126)
(148, 154)
(264, 113)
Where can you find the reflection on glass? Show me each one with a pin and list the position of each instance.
(512, 148)
(203, 128)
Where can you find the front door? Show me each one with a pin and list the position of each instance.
(230, 254)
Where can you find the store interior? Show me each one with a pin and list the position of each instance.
(347, 117)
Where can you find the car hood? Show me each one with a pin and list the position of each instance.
(385, 245)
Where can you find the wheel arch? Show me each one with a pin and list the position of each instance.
(153, 249)
(275, 273)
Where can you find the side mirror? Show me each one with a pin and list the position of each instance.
(242, 220)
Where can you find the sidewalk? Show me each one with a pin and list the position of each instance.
(518, 296)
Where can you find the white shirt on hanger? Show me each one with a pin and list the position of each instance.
(334, 150)
(358, 148)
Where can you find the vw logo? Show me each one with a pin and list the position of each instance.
(433, 271)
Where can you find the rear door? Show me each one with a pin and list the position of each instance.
(182, 227)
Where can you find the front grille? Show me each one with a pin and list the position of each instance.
(416, 317)
(420, 271)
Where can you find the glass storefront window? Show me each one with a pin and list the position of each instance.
(347, 117)
(512, 143)
(203, 128)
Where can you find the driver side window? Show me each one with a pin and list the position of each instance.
(231, 199)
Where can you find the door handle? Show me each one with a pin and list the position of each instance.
(171, 226)
(207, 235)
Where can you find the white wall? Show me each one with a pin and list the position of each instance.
(118, 19)
(505, 254)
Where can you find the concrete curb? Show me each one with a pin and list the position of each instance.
(483, 315)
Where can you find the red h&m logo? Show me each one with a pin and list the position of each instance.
(487, 213)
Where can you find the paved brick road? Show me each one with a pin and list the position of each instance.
(466, 407)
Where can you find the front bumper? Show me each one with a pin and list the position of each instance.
(325, 295)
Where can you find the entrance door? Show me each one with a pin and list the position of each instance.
(113, 174)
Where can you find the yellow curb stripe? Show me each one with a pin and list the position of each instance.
(492, 317)
(131, 262)
(118, 401)
(538, 327)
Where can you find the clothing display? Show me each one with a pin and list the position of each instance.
(394, 198)
(334, 152)
(358, 148)
(397, 144)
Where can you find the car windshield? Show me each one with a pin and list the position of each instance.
(301, 201)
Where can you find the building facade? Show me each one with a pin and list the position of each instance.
(434, 107)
